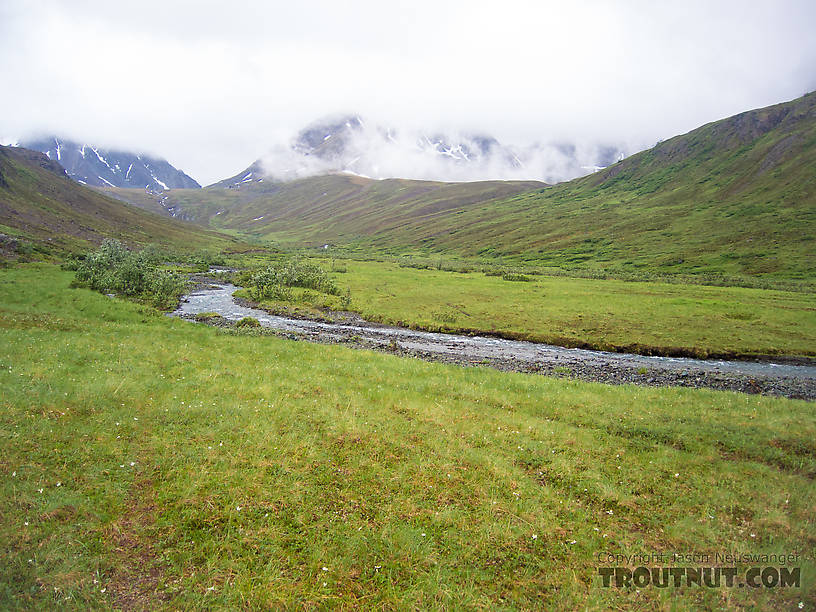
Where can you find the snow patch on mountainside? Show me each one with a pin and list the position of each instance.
(100, 167)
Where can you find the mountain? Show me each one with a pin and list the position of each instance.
(43, 209)
(97, 167)
(349, 144)
(733, 197)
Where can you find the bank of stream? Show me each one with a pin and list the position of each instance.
(780, 379)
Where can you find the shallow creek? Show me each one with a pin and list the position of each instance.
(750, 376)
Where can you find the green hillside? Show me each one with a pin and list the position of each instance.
(737, 196)
(332, 208)
(41, 209)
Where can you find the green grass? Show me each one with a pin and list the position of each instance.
(644, 317)
(150, 460)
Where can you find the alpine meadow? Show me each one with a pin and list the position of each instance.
(407, 366)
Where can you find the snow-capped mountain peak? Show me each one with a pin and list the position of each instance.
(91, 165)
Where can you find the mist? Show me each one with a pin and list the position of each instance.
(211, 87)
(357, 146)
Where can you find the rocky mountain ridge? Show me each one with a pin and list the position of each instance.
(97, 167)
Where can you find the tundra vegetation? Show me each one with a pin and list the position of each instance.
(276, 280)
(152, 463)
(113, 269)
(651, 317)
(147, 462)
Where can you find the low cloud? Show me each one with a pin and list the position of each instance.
(360, 147)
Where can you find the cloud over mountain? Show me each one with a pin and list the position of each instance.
(348, 143)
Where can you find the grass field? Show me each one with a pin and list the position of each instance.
(146, 461)
(644, 317)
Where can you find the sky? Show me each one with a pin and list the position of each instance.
(212, 86)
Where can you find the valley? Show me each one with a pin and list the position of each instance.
(410, 394)
(213, 302)
(736, 197)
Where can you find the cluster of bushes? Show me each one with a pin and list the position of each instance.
(509, 274)
(274, 282)
(516, 276)
(440, 264)
(519, 271)
(248, 322)
(200, 261)
(15, 246)
(463, 267)
(112, 268)
(203, 260)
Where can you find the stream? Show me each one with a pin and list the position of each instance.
(782, 379)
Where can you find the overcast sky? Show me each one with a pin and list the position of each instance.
(212, 86)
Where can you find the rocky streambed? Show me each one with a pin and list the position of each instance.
(766, 377)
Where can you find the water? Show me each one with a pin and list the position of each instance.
(219, 299)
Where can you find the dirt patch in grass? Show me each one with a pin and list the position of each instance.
(138, 573)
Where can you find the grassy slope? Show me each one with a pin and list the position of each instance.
(651, 318)
(148, 460)
(737, 196)
(340, 206)
(39, 203)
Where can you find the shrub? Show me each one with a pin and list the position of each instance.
(114, 269)
(164, 288)
(248, 322)
(515, 276)
(338, 268)
(274, 280)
